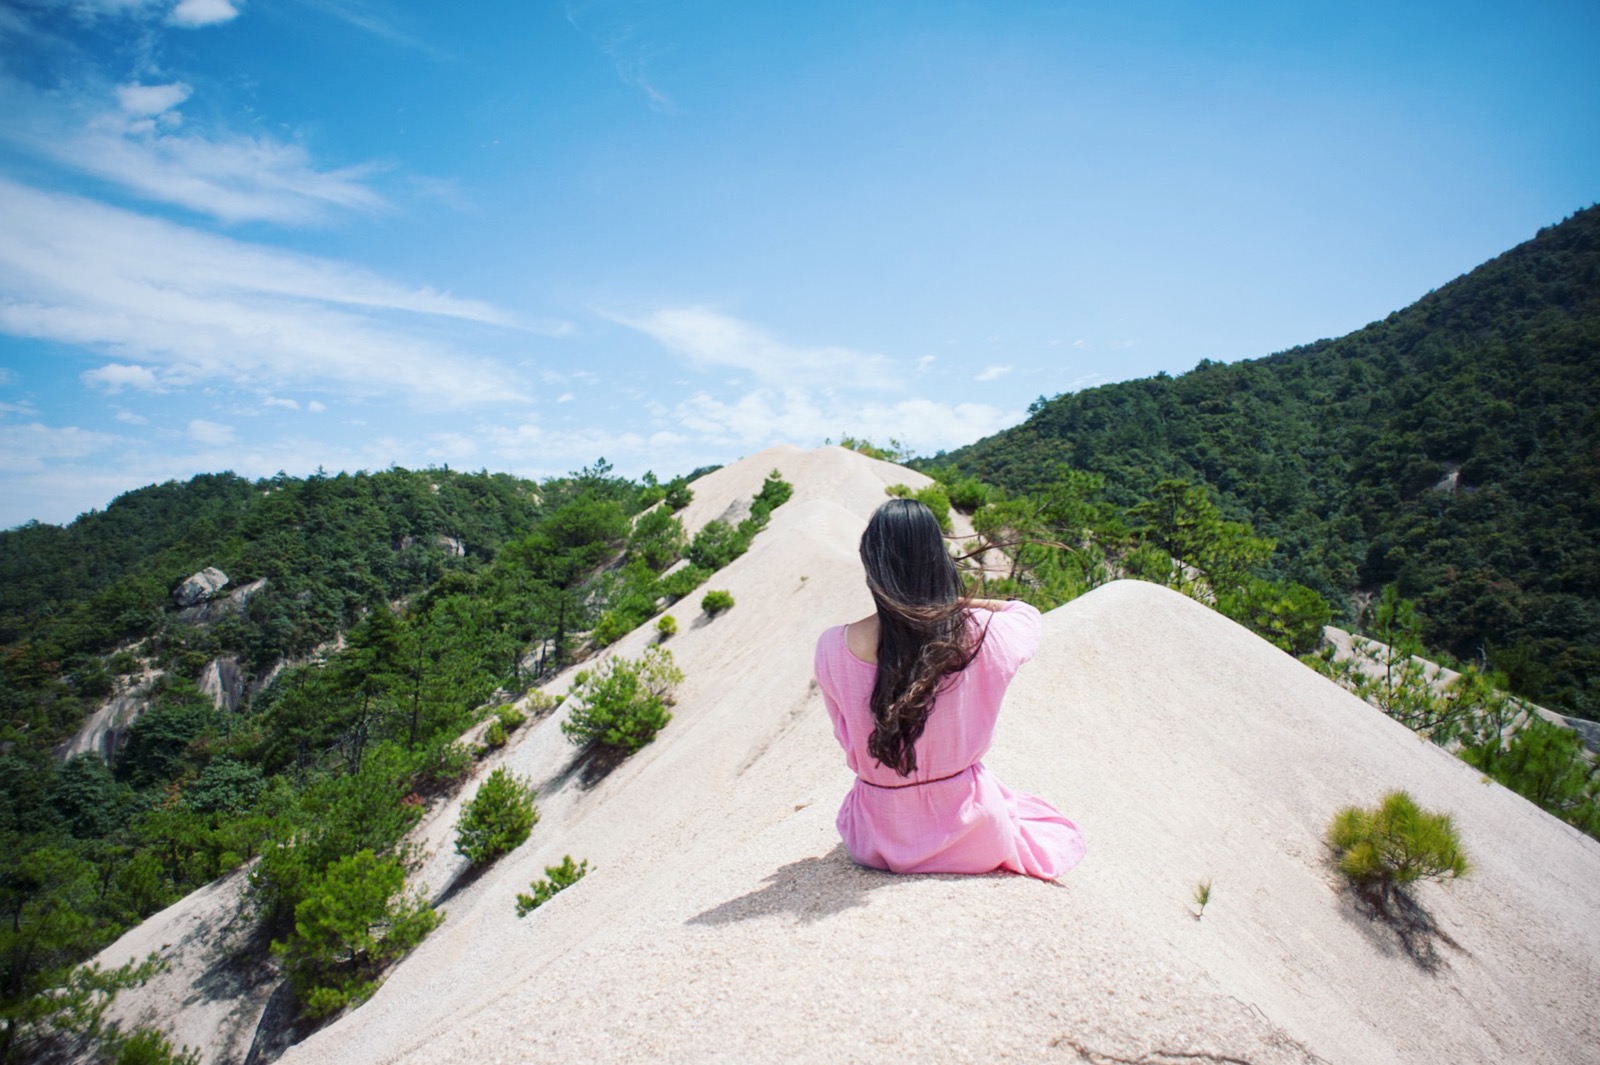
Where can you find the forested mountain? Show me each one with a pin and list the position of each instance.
(279, 669)
(1452, 449)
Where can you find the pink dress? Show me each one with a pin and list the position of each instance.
(956, 818)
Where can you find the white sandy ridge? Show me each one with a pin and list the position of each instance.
(722, 921)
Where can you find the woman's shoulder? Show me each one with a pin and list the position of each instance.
(1011, 628)
(855, 642)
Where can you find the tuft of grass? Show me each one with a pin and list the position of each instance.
(1202, 895)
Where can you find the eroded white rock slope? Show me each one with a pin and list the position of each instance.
(722, 921)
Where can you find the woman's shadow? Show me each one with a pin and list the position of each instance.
(810, 889)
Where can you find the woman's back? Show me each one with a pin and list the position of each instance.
(950, 814)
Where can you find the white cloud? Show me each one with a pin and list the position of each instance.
(286, 404)
(451, 447)
(195, 13)
(565, 397)
(210, 308)
(131, 418)
(992, 373)
(27, 448)
(316, 407)
(212, 434)
(7, 377)
(710, 339)
(925, 362)
(18, 408)
(114, 377)
(140, 146)
(795, 415)
(146, 100)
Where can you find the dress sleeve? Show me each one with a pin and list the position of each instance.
(1013, 635)
(821, 667)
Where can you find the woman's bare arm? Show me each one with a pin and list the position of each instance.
(989, 604)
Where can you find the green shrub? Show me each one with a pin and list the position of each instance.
(497, 820)
(667, 626)
(354, 919)
(623, 703)
(611, 627)
(1545, 764)
(147, 1046)
(678, 494)
(556, 878)
(494, 737)
(1395, 844)
(969, 493)
(934, 498)
(681, 582)
(899, 491)
(717, 544)
(443, 765)
(657, 538)
(775, 492)
(1289, 615)
(716, 601)
(511, 717)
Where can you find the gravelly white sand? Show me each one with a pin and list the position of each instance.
(722, 921)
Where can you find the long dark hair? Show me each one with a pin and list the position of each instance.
(922, 627)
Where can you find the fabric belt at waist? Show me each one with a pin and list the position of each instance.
(915, 783)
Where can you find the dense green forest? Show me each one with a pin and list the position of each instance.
(386, 612)
(1452, 449)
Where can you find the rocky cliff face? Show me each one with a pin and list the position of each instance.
(200, 587)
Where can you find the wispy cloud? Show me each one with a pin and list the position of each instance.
(212, 434)
(620, 31)
(30, 448)
(709, 339)
(797, 415)
(188, 306)
(993, 373)
(144, 145)
(366, 17)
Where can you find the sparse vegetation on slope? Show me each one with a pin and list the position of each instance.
(556, 878)
(498, 819)
(622, 703)
(354, 919)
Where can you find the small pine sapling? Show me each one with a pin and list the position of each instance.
(715, 602)
(1202, 895)
(556, 878)
(497, 820)
(666, 626)
(1395, 844)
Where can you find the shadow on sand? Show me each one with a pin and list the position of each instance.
(589, 766)
(1396, 923)
(815, 888)
(810, 889)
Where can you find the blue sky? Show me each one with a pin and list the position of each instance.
(268, 235)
